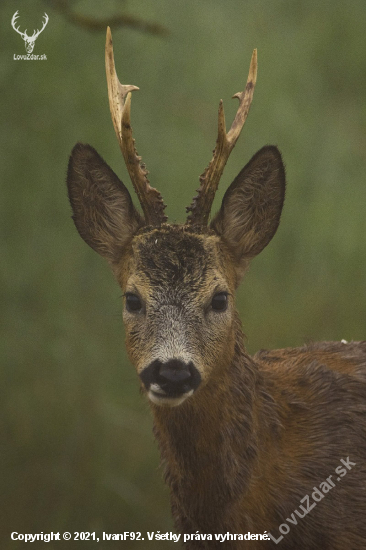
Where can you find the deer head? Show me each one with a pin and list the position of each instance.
(28, 40)
(178, 281)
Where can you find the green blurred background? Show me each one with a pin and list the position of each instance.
(77, 452)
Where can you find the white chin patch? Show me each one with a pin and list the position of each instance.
(158, 397)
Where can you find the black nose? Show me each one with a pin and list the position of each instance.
(174, 371)
(175, 377)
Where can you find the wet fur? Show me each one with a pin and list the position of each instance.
(242, 454)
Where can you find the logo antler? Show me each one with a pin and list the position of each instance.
(13, 21)
(38, 32)
(29, 40)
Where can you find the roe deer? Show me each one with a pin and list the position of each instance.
(256, 445)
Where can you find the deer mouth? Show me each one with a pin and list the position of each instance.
(159, 397)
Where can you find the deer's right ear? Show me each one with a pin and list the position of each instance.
(251, 208)
(104, 214)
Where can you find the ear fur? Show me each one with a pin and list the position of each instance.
(104, 214)
(251, 208)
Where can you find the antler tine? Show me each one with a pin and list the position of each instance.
(38, 32)
(13, 21)
(120, 106)
(209, 180)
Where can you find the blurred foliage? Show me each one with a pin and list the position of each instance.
(66, 8)
(77, 452)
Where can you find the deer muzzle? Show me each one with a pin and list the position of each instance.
(171, 382)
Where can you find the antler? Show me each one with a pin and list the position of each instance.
(209, 180)
(120, 106)
(37, 32)
(13, 21)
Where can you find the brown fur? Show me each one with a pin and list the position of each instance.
(243, 452)
(260, 432)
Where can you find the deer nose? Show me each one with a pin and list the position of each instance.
(172, 378)
(176, 377)
(174, 372)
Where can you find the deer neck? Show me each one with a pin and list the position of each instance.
(210, 444)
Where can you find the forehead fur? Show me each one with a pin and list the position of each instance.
(173, 254)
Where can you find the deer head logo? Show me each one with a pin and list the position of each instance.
(28, 40)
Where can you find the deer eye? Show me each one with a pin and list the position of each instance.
(133, 302)
(219, 301)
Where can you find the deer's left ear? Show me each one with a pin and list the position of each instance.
(251, 208)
